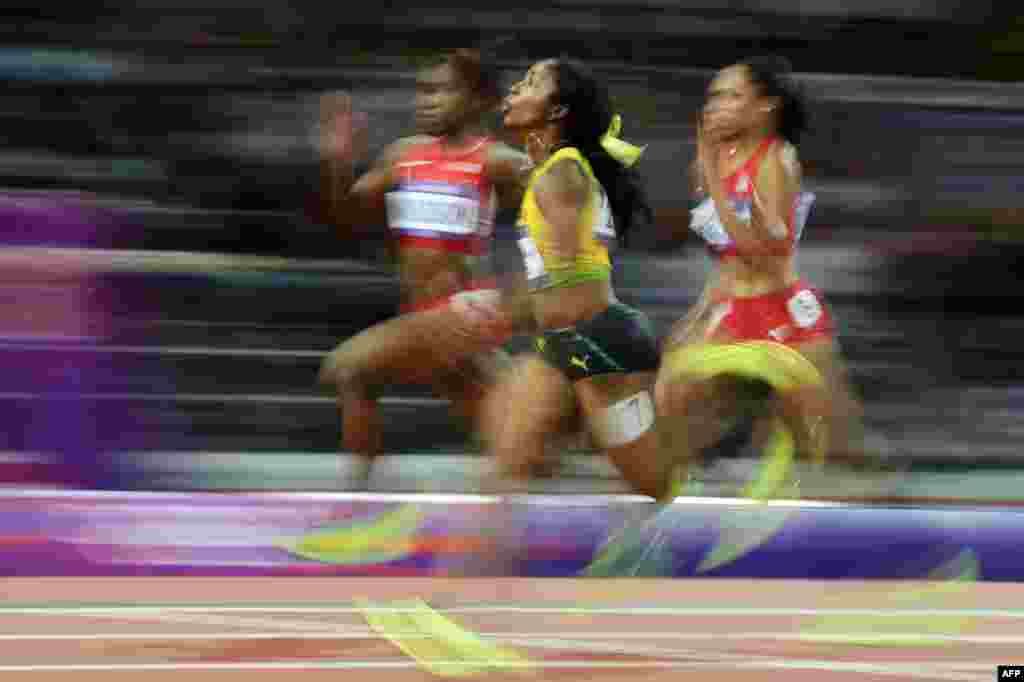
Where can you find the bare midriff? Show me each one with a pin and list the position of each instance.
(744, 276)
(559, 307)
(429, 274)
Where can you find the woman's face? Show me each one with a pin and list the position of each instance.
(443, 102)
(734, 104)
(529, 101)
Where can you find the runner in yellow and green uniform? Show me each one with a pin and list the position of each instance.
(595, 356)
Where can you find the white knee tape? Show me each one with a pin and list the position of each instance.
(625, 421)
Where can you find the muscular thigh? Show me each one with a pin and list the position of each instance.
(824, 354)
(620, 415)
(415, 347)
(532, 398)
(837, 397)
(598, 392)
(466, 381)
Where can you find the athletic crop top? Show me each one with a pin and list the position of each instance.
(739, 187)
(595, 233)
(443, 199)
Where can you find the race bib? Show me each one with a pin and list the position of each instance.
(804, 309)
(532, 259)
(604, 223)
(705, 222)
(802, 211)
(452, 215)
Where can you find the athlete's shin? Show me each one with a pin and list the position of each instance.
(805, 415)
(361, 428)
(846, 435)
(517, 452)
(646, 465)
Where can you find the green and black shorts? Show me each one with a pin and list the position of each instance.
(620, 340)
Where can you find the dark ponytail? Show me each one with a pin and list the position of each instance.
(589, 114)
(774, 77)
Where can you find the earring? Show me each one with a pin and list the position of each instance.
(533, 141)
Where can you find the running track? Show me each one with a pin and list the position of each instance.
(609, 630)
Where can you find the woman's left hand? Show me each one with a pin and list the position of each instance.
(707, 154)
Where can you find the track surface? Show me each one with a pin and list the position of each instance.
(224, 629)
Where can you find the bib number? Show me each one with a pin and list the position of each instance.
(604, 223)
(804, 309)
(532, 259)
(705, 222)
(451, 215)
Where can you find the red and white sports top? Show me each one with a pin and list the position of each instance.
(739, 188)
(443, 199)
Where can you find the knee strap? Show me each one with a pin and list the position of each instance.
(625, 421)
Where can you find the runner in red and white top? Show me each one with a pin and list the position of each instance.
(751, 218)
(440, 189)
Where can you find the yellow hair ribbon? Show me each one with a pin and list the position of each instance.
(625, 153)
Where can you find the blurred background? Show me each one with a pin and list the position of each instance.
(169, 287)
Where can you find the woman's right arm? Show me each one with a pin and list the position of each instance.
(351, 203)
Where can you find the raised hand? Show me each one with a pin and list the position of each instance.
(342, 129)
(708, 155)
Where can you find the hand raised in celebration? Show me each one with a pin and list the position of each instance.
(708, 156)
(342, 129)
